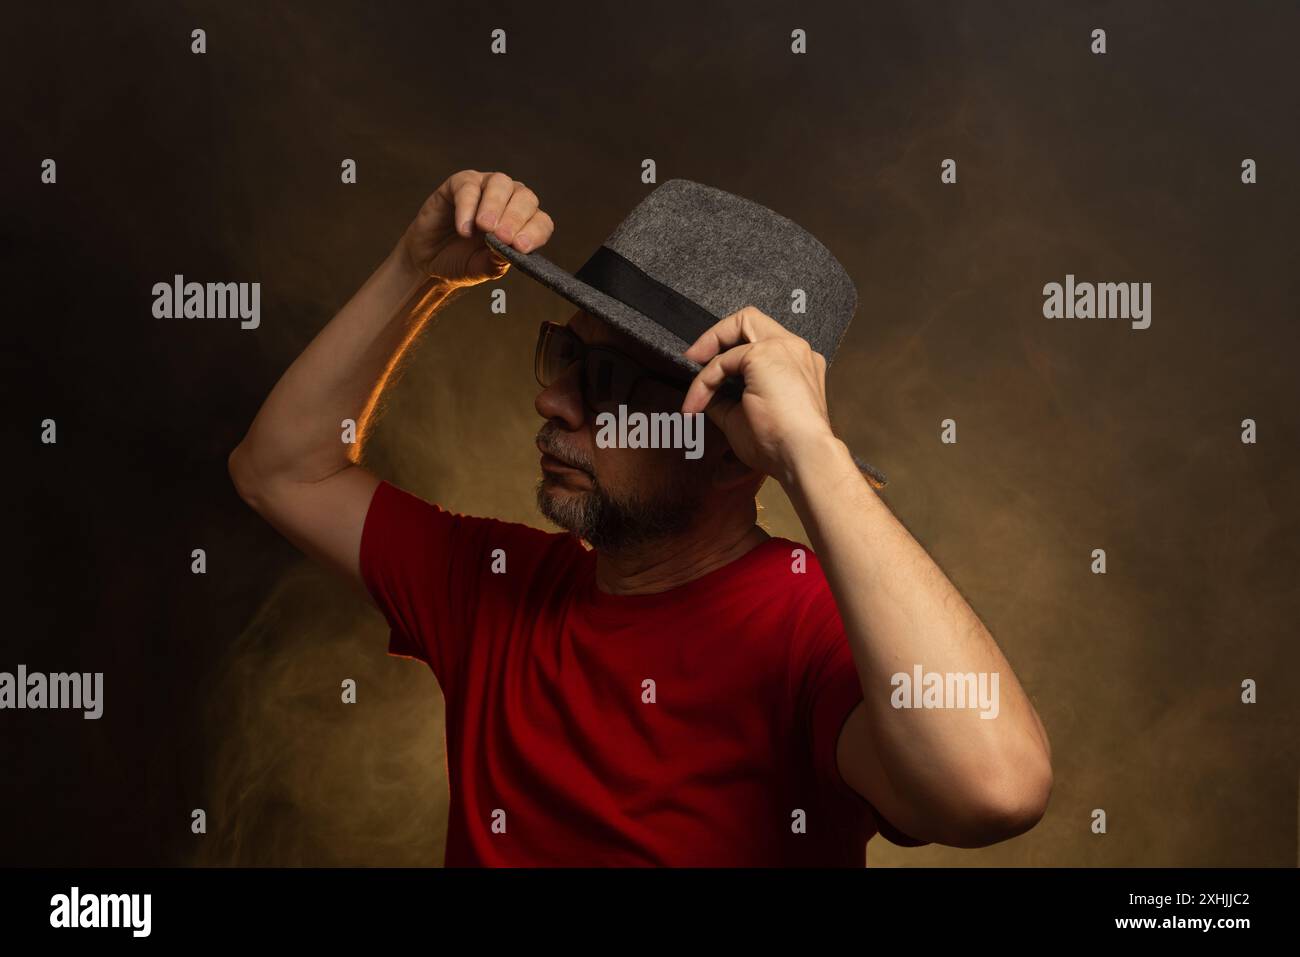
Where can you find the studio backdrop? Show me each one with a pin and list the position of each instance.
(1113, 485)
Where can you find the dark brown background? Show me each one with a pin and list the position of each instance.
(222, 690)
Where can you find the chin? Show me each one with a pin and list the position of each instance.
(558, 503)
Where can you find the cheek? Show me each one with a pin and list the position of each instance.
(640, 470)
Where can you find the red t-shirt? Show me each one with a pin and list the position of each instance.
(693, 727)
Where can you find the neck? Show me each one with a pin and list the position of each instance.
(660, 565)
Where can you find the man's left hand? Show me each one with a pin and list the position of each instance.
(783, 408)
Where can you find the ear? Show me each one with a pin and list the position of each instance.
(730, 472)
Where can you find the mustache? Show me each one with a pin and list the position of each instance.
(549, 441)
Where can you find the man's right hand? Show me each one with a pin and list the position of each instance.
(293, 467)
(445, 241)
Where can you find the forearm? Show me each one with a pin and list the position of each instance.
(899, 611)
(298, 432)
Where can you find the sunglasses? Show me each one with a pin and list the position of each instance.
(608, 377)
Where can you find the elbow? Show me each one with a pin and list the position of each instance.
(1021, 815)
(242, 475)
(1014, 806)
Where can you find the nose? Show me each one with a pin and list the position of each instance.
(562, 399)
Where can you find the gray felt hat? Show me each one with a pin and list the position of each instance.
(689, 255)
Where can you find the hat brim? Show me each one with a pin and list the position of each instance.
(622, 317)
(618, 314)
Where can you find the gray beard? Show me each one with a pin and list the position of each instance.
(610, 525)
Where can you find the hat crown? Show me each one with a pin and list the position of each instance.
(724, 252)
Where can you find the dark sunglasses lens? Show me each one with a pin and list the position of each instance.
(601, 382)
(609, 379)
(655, 395)
(556, 351)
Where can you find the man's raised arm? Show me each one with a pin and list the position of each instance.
(293, 467)
(945, 776)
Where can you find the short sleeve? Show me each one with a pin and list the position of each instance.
(421, 565)
(827, 691)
